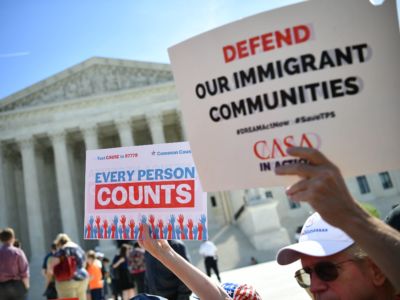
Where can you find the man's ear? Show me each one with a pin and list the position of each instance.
(377, 276)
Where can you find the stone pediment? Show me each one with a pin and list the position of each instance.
(94, 76)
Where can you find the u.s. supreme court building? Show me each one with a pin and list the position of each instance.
(46, 128)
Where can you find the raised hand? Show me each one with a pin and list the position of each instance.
(185, 232)
(91, 220)
(170, 227)
(136, 232)
(172, 219)
(122, 219)
(203, 220)
(195, 231)
(151, 220)
(115, 221)
(120, 231)
(98, 220)
(141, 227)
(157, 232)
(165, 232)
(89, 231)
(132, 227)
(105, 227)
(94, 232)
(160, 226)
(144, 219)
(126, 233)
(154, 247)
(321, 185)
(200, 228)
(180, 219)
(178, 232)
(101, 233)
(190, 226)
(113, 229)
(109, 230)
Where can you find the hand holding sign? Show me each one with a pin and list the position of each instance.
(324, 188)
(321, 185)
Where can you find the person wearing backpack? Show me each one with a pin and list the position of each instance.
(68, 267)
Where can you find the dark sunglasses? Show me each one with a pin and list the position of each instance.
(325, 270)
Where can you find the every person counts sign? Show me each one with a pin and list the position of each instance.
(156, 185)
(321, 74)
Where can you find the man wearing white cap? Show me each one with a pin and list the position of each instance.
(334, 267)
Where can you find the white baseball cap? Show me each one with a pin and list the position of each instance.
(317, 238)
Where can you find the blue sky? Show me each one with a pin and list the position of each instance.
(39, 38)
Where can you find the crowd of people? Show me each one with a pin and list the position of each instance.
(345, 253)
(96, 278)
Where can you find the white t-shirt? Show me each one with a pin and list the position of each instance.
(208, 249)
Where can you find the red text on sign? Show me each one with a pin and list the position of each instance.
(276, 148)
(266, 42)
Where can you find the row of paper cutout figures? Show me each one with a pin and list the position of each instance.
(120, 229)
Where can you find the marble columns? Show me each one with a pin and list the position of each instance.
(32, 197)
(3, 199)
(64, 185)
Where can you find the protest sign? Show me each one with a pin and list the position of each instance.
(155, 184)
(322, 74)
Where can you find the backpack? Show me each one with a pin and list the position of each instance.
(65, 270)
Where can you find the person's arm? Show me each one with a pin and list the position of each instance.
(23, 269)
(118, 262)
(193, 278)
(52, 263)
(25, 280)
(324, 188)
(48, 275)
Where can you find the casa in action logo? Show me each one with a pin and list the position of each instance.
(273, 152)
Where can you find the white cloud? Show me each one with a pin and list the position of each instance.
(15, 54)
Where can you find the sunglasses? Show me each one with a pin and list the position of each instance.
(325, 270)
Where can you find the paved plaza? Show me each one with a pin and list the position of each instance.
(271, 280)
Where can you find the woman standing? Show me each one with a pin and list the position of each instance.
(120, 266)
(69, 283)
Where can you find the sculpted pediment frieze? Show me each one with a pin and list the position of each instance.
(101, 76)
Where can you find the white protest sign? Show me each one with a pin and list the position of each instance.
(322, 74)
(155, 184)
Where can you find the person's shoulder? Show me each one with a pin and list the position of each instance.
(71, 245)
(19, 252)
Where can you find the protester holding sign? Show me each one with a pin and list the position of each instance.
(324, 188)
(334, 267)
(196, 280)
